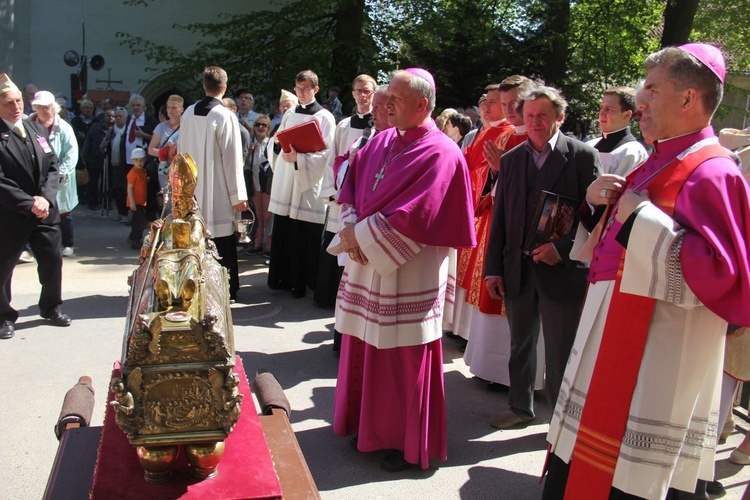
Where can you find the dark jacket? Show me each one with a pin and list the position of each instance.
(91, 152)
(571, 167)
(21, 181)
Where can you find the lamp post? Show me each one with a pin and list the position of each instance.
(79, 81)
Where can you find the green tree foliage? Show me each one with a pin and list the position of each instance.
(466, 44)
(582, 46)
(726, 25)
(264, 50)
(608, 42)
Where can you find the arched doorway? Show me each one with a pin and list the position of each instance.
(157, 90)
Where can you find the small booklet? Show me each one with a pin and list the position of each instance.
(305, 138)
(554, 217)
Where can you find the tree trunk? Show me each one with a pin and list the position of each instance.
(556, 32)
(678, 21)
(347, 42)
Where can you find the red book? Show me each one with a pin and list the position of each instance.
(305, 138)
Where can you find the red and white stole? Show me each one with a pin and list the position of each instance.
(607, 406)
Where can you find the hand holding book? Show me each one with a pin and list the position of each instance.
(303, 138)
(554, 217)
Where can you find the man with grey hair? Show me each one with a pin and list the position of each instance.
(140, 127)
(138, 134)
(537, 280)
(636, 415)
(405, 201)
(29, 178)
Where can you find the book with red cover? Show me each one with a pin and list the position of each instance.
(305, 138)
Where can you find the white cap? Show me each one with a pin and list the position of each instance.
(43, 98)
(138, 153)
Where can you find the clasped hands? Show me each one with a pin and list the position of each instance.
(349, 243)
(608, 189)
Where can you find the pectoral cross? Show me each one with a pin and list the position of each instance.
(378, 177)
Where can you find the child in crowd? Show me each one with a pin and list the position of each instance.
(137, 193)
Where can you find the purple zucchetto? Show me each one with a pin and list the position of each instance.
(710, 56)
(423, 74)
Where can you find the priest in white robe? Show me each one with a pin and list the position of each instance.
(355, 128)
(210, 133)
(299, 212)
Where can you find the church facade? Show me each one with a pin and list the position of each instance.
(35, 35)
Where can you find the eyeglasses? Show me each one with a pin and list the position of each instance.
(261, 125)
(363, 92)
(302, 90)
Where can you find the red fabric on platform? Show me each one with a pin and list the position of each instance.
(245, 471)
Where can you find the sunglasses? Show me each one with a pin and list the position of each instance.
(261, 125)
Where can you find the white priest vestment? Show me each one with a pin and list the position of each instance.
(210, 134)
(296, 187)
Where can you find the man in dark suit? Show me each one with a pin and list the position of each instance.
(542, 281)
(29, 179)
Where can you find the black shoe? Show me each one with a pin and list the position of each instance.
(7, 330)
(58, 318)
(714, 488)
(495, 387)
(298, 294)
(394, 462)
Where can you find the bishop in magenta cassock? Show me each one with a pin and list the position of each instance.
(408, 195)
(637, 410)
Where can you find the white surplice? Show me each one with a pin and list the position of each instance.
(214, 142)
(398, 298)
(670, 436)
(296, 188)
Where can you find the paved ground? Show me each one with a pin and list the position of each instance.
(291, 338)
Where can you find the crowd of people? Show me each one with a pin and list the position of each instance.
(589, 269)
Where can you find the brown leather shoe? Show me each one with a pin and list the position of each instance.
(508, 418)
(7, 330)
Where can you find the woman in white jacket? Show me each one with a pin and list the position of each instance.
(63, 141)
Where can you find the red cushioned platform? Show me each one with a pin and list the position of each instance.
(245, 471)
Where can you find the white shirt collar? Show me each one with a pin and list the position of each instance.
(11, 124)
(552, 142)
(605, 134)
